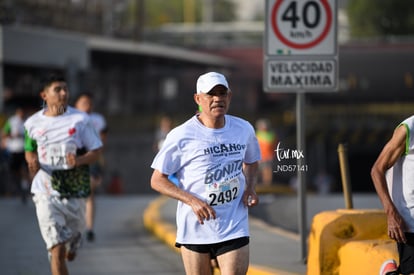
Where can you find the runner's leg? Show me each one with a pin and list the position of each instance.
(234, 262)
(58, 260)
(196, 263)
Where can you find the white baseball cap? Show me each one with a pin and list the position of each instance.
(208, 81)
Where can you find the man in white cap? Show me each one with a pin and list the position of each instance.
(215, 158)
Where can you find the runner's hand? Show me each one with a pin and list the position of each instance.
(71, 160)
(202, 210)
(250, 198)
(396, 227)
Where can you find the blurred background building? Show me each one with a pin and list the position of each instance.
(141, 59)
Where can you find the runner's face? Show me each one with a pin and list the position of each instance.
(56, 95)
(84, 104)
(216, 102)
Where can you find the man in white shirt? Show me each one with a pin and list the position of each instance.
(215, 159)
(12, 139)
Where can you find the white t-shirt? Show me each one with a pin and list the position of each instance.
(400, 178)
(98, 122)
(54, 137)
(14, 127)
(208, 164)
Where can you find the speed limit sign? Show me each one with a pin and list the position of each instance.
(301, 27)
(300, 46)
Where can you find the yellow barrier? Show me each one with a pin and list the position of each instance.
(365, 257)
(344, 241)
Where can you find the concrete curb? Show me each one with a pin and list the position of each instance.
(166, 232)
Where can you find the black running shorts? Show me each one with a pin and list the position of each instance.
(406, 253)
(217, 249)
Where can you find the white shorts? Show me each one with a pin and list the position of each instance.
(59, 219)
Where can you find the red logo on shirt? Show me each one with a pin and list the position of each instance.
(72, 131)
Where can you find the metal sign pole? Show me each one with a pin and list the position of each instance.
(300, 140)
(301, 55)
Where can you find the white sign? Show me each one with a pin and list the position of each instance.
(300, 46)
(301, 27)
(318, 75)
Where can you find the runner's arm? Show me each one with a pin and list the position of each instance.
(250, 198)
(161, 183)
(32, 163)
(392, 151)
(87, 158)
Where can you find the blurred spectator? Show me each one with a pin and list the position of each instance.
(84, 102)
(164, 128)
(323, 182)
(267, 141)
(13, 142)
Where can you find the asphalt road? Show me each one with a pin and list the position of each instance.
(122, 246)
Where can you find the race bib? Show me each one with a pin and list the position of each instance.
(56, 155)
(220, 193)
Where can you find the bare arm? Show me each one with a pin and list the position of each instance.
(160, 183)
(250, 197)
(391, 152)
(88, 158)
(32, 163)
